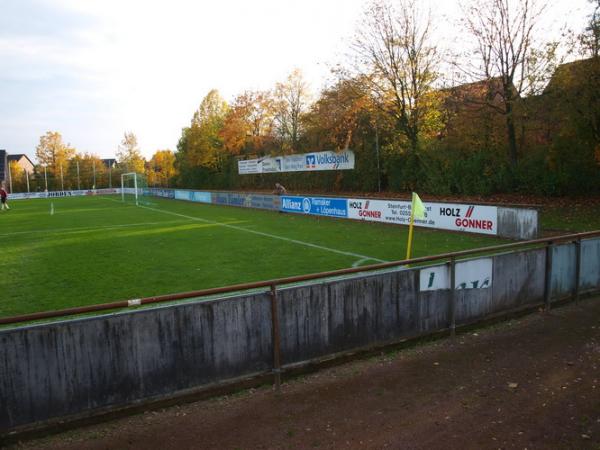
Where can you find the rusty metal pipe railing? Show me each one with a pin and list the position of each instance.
(287, 280)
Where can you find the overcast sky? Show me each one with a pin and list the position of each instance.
(93, 69)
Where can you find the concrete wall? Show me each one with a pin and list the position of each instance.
(590, 269)
(68, 367)
(518, 223)
(80, 366)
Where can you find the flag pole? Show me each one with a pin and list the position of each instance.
(410, 227)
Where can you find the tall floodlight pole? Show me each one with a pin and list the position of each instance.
(78, 180)
(62, 180)
(110, 175)
(10, 178)
(94, 169)
(27, 178)
(46, 177)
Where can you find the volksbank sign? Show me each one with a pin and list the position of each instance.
(326, 159)
(299, 163)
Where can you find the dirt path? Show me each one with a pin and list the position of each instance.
(532, 383)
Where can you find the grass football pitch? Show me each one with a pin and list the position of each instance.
(66, 252)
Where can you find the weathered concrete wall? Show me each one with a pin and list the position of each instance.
(517, 281)
(518, 223)
(78, 366)
(590, 264)
(330, 317)
(68, 367)
(563, 270)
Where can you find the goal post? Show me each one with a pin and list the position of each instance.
(133, 187)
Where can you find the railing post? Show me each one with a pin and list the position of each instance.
(577, 268)
(548, 280)
(276, 338)
(452, 264)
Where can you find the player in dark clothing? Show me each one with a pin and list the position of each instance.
(3, 197)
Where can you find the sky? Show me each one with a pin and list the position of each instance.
(94, 69)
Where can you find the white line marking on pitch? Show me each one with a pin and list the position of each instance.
(360, 261)
(74, 230)
(273, 236)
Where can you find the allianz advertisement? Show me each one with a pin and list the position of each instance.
(319, 206)
(444, 216)
(305, 162)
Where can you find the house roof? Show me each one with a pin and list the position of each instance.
(570, 74)
(18, 158)
(476, 92)
(109, 162)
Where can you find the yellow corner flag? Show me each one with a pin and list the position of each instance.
(417, 210)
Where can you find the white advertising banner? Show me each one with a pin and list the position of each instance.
(305, 162)
(248, 166)
(473, 274)
(434, 278)
(57, 194)
(26, 195)
(444, 216)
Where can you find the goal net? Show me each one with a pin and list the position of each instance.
(134, 188)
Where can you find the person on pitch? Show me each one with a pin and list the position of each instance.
(3, 197)
(279, 189)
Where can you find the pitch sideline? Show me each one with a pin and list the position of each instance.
(272, 236)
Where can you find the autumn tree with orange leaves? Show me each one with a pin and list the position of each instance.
(249, 123)
(160, 170)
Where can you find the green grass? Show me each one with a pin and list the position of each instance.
(96, 249)
(571, 217)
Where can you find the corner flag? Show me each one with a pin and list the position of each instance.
(417, 210)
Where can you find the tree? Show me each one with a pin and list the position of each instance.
(17, 177)
(344, 117)
(590, 38)
(292, 99)
(161, 168)
(249, 122)
(577, 89)
(204, 143)
(129, 155)
(509, 59)
(394, 56)
(53, 153)
(200, 148)
(333, 118)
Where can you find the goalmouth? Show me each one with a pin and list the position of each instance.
(132, 187)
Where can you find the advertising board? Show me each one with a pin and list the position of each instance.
(192, 196)
(104, 191)
(305, 162)
(201, 197)
(248, 166)
(220, 198)
(184, 195)
(476, 274)
(164, 193)
(263, 201)
(26, 195)
(445, 216)
(320, 206)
